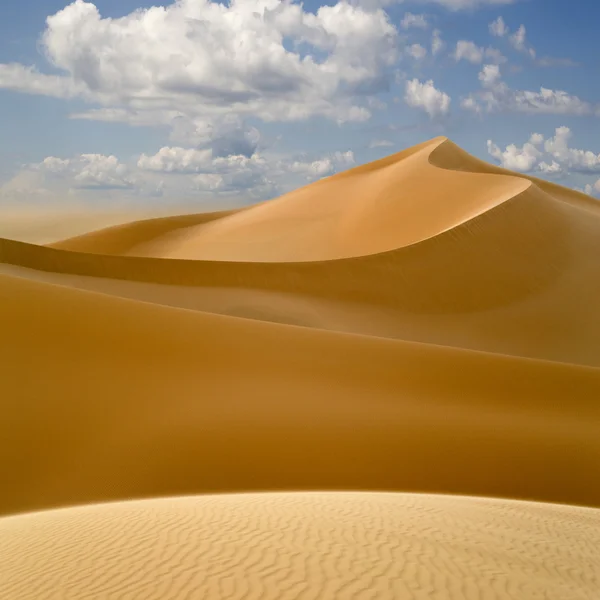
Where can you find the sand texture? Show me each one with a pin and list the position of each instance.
(304, 545)
(424, 323)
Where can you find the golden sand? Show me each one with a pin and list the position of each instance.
(423, 323)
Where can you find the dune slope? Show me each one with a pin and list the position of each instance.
(109, 398)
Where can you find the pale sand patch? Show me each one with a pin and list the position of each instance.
(304, 546)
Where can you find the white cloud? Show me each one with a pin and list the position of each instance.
(236, 174)
(498, 27)
(203, 60)
(90, 171)
(470, 104)
(552, 168)
(177, 159)
(437, 44)
(489, 75)
(20, 78)
(536, 139)
(551, 156)
(582, 161)
(469, 51)
(496, 96)
(426, 97)
(592, 189)
(514, 158)
(323, 167)
(255, 176)
(411, 20)
(417, 51)
(173, 171)
(86, 176)
(518, 41)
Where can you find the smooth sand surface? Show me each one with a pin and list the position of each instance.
(423, 323)
(304, 546)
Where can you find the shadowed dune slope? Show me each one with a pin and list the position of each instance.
(122, 239)
(322, 545)
(107, 398)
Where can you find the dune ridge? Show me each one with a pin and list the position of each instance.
(423, 323)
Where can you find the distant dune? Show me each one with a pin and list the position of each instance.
(423, 323)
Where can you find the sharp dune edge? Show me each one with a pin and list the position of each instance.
(425, 323)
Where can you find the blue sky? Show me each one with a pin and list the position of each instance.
(119, 102)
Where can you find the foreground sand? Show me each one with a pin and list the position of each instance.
(304, 545)
(425, 323)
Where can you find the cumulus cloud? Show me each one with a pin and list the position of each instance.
(498, 27)
(489, 75)
(323, 167)
(416, 51)
(581, 161)
(522, 159)
(174, 170)
(20, 78)
(496, 96)
(552, 156)
(91, 176)
(176, 159)
(90, 171)
(469, 51)
(426, 97)
(256, 176)
(518, 41)
(202, 59)
(437, 44)
(591, 189)
(471, 105)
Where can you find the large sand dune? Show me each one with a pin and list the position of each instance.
(423, 323)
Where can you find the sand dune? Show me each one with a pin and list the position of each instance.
(320, 545)
(400, 200)
(423, 323)
(515, 275)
